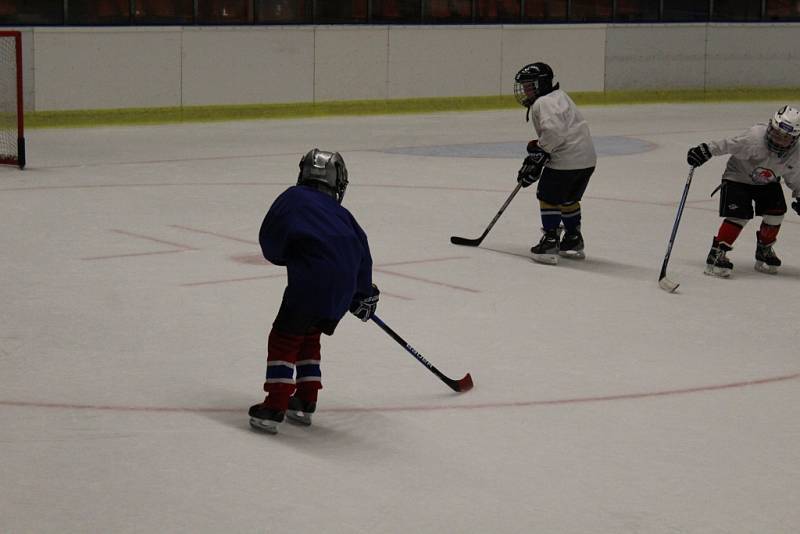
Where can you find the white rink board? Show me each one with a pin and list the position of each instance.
(576, 53)
(342, 50)
(94, 68)
(655, 57)
(444, 61)
(753, 55)
(246, 65)
(78, 68)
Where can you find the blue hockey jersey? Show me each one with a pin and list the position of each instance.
(325, 252)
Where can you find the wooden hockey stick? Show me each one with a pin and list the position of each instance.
(460, 386)
(665, 283)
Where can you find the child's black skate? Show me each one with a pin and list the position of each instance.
(265, 419)
(547, 250)
(717, 263)
(766, 260)
(300, 411)
(571, 246)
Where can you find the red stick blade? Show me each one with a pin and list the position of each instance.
(465, 384)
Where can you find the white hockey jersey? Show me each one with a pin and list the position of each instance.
(752, 162)
(563, 132)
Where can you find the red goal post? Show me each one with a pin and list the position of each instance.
(12, 123)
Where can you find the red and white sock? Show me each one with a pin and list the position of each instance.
(729, 231)
(309, 374)
(282, 352)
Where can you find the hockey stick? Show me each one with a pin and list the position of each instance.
(665, 283)
(475, 242)
(465, 384)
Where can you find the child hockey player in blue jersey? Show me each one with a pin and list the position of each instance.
(759, 158)
(563, 156)
(329, 269)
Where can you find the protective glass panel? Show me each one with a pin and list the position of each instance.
(545, 10)
(283, 12)
(44, 12)
(685, 11)
(99, 12)
(448, 11)
(498, 10)
(737, 10)
(224, 11)
(783, 10)
(398, 11)
(342, 12)
(590, 10)
(637, 10)
(164, 12)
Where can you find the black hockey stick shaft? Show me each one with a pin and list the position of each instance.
(465, 384)
(475, 242)
(676, 223)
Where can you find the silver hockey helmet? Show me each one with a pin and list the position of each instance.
(783, 130)
(532, 81)
(325, 171)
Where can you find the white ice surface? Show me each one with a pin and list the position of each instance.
(134, 311)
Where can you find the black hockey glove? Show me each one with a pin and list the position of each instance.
(364, 306)
(532, 167)
(796, 206)
(698, 155)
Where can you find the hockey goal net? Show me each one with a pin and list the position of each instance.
(12, 135)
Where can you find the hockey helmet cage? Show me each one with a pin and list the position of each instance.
(532, 81)
(325, 171)
(783, 130)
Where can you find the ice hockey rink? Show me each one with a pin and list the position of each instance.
(134, 310)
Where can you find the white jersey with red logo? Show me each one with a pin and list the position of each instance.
(563, 132)
(752, 162)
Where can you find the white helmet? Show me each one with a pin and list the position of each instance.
(783, 130)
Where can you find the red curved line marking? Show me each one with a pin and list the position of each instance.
(154, 239)
(228, 280)
(386, 186)
(207, 232)
(425, 280)
(134, 254)
(420, 408)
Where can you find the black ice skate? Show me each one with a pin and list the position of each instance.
(766, 260)
(571, 246)
(265, 419)
(717, 263)
(547, 250)
(300, 411)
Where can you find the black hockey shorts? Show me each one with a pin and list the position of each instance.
(562, 187)
(736, 200)
(297, 323)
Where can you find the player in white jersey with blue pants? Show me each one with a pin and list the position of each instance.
(759, 158)
(564, 157)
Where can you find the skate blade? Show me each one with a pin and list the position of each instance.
(547, 259)
(299, 418)
(572, 254)
(719, 272)
(264, 425)
(764, 268)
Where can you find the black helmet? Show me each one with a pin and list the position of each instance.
(537, 78)
(325, 171)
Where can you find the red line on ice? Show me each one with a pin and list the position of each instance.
(420, 408)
